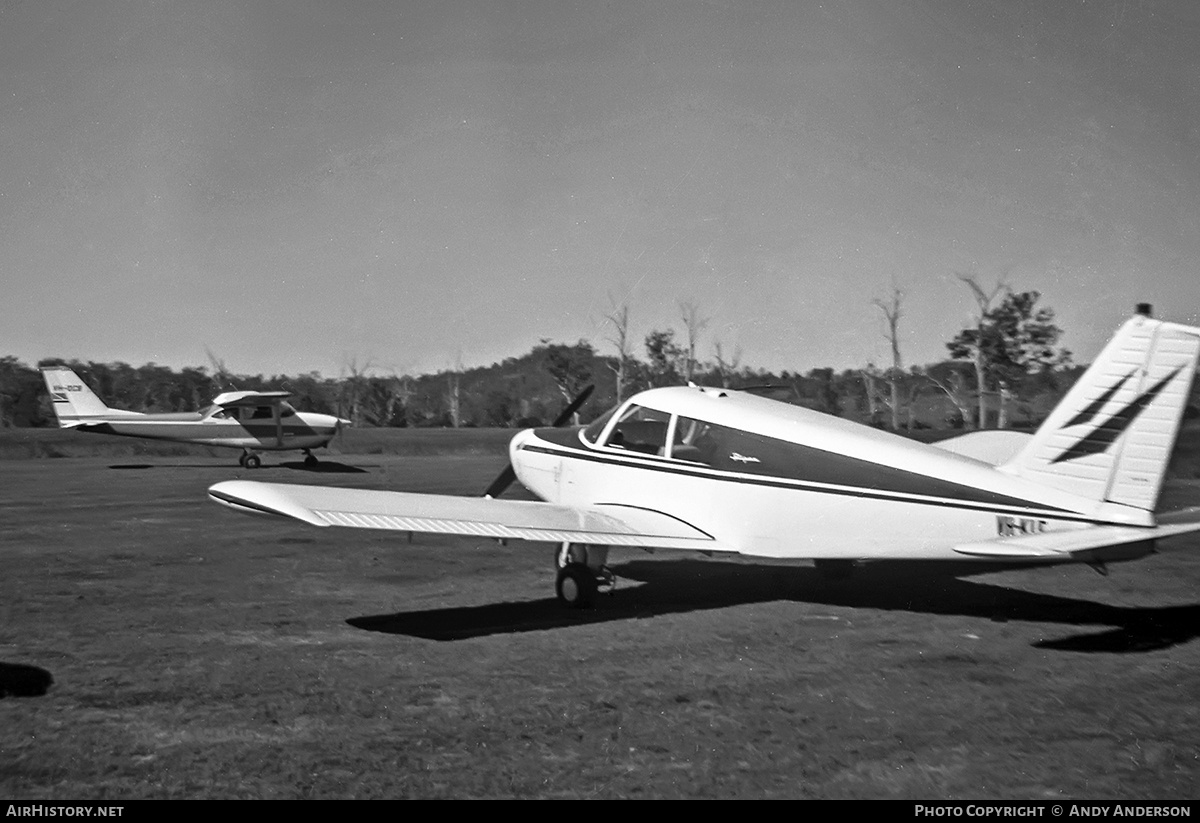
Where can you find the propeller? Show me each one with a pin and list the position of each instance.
(574, 406)
(509, 474)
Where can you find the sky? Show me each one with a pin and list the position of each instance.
(302, 186)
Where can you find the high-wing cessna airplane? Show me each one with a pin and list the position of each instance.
(247, 420)
(716, 470)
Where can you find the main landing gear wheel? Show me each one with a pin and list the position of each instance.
(575, 586)
(310, 459)
(252, 461)
(581, 574)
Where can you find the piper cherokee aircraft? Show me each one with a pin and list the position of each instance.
(247, 420)
(716, 470)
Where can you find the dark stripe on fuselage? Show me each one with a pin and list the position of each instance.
(793, 464)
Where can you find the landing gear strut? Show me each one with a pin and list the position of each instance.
(582, 574)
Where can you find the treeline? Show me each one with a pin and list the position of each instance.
(1004, 370)
(532, 389)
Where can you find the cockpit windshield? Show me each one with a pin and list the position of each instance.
(593, 430)
(640, 429)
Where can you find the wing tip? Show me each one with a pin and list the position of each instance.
(252, 497)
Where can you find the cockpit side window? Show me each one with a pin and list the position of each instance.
(263, 413)
(640, 430)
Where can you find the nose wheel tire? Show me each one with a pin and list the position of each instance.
(575, 586)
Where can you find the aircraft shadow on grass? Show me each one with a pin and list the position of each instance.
(324, 467)
(23, 680)
(692, 585)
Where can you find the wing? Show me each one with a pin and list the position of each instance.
(1065, 544)
(249, 398)
(474, 516)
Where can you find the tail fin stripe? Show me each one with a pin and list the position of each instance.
(1100, 438)
(1096, 405)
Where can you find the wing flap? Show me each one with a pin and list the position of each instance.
(470, 516)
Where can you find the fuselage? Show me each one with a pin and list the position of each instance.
(254, 428)
(768, 479)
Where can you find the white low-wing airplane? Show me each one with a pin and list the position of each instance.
(247, 420)
(716, 470)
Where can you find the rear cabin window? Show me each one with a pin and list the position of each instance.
(255, 413)
(640, 430)
(696, 441)
(730, 449)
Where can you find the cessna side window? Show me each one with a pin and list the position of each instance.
(262, 413)
(640, 430)
(224, 414)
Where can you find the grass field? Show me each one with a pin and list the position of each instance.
(198, 653)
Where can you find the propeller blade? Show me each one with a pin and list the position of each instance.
(574, 406)
(506, 477)
(502, 482)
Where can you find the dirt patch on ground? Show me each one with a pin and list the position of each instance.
(169, 647)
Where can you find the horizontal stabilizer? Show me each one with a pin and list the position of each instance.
(472, 516)
(1064, 544)
(994, 446)
(98, 423)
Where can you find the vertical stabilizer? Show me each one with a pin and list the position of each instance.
(1111, 437)
(73, 401)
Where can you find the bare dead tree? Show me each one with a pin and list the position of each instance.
(693, 323)
(399, 389)
(870, 375)
(354, 387)
(221, 376)
(983, 299)
(453, 393)
(892, 314)
(727, 368)
(954, 386)
(619, 337)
